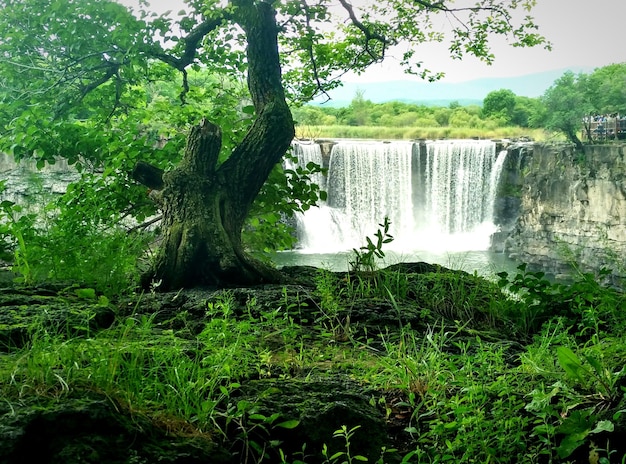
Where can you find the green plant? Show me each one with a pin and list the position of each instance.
(585, 304)
(343, 457)
(17, 228)
(365, 256)
(558, 411)
(459, 296)
(546, 407)
(591, 376)
(577, 427)
(252, 430)
(332, 315)
(534, 294)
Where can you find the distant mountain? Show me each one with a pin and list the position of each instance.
(442, 93)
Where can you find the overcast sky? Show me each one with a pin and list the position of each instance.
(584, 33)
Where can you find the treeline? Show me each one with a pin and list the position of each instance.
(561, 108)
(500, 108)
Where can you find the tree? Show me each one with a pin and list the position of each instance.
(499, 104)
(606, 88)
(527, 112)
(359, 111)
(74, 75)
(566, 103)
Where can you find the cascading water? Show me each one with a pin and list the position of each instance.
(438, 197)
(456, 189)
(366, 182)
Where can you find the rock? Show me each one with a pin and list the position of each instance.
(25, 311)
(572, 208)
(94, 430)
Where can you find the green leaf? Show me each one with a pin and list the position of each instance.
(86, 293)
(596, 365)
(603, 426)
(569, 444)
(570, 363)
(290, 424)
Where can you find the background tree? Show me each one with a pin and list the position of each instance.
(499, 104)
(606, 87)
(527, 112)
(566, 103)
(359, 110)
(74, 75)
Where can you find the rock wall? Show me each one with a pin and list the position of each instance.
(27, 185)
(557, 207)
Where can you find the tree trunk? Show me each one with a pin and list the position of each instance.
(202, 225)
(571, 134)
(205, 206)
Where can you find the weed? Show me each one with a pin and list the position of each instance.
(252, 430)
(343, 457)
(365, 256)
(585, 304)
(455, 391)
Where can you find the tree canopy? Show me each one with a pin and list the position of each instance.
(574, 98)
(500, 103)
(78, 80)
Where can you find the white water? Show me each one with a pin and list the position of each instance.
(367, 181)
(456, 191)
(441, 200)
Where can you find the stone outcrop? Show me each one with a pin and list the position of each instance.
(27, 185)
(558, 206)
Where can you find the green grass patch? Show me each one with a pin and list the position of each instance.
(413, 133)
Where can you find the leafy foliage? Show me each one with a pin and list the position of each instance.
(585, 304)
(499, 103)
(451, 391)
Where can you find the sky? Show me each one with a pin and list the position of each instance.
(584, 33)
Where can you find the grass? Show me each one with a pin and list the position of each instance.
(464, 386)
(412, 133)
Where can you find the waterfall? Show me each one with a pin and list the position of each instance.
(366, 182)
(458, 181)
(438, 197)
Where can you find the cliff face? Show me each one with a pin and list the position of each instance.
(558, 207)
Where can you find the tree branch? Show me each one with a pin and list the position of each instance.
(369, 35)
(318, 82)
(192, 42)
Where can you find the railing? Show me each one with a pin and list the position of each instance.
(602, 128)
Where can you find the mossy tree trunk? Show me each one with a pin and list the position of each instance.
(205, 205)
